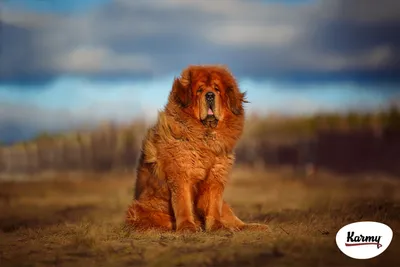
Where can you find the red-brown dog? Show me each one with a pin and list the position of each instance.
(187, 156)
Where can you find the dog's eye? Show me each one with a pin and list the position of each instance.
(216, 88)
(199, 90)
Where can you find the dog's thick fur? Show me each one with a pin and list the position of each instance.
(187, 156)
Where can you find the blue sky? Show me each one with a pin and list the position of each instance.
(69, 63)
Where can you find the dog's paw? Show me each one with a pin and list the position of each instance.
(213, 225)
(187, 227)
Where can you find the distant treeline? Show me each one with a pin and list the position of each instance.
(345, 143)
(107, 148)
(342, 142)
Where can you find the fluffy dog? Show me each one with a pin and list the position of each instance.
(187, 156)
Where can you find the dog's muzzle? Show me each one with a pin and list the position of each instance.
(210, 120)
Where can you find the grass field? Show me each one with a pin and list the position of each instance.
(77, 221)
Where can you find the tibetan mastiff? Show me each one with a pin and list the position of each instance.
(187, 156)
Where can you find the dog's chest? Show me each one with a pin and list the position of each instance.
(196, 156)
(200, 162)
(214, 144)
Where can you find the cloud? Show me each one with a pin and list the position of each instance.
(98, 59)
(323, 40)
(250, 36)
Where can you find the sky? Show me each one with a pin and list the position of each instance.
(69, 64)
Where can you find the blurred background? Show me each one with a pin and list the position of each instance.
(80, 80)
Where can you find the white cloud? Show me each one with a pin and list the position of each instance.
(95, 59)
(28, 19)
(253, 35)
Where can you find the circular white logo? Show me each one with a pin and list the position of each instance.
(364, 240)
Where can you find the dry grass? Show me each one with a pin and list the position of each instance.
(78, 222)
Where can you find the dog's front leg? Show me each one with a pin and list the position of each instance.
(181, 200)
(209, 205)
(210, 191)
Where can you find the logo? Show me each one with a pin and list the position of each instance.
(364, 240)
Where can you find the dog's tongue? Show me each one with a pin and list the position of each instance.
(210, 112)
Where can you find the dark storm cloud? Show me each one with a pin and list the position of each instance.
(18, 53)
(319, 41)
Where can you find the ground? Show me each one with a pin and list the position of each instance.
(78, 221)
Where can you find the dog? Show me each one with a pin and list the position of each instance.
(188, 154)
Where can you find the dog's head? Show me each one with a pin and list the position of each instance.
(208, 93)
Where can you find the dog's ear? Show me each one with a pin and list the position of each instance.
(181, 91)
(236, 100)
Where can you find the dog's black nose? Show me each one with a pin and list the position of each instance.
(210, 96)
